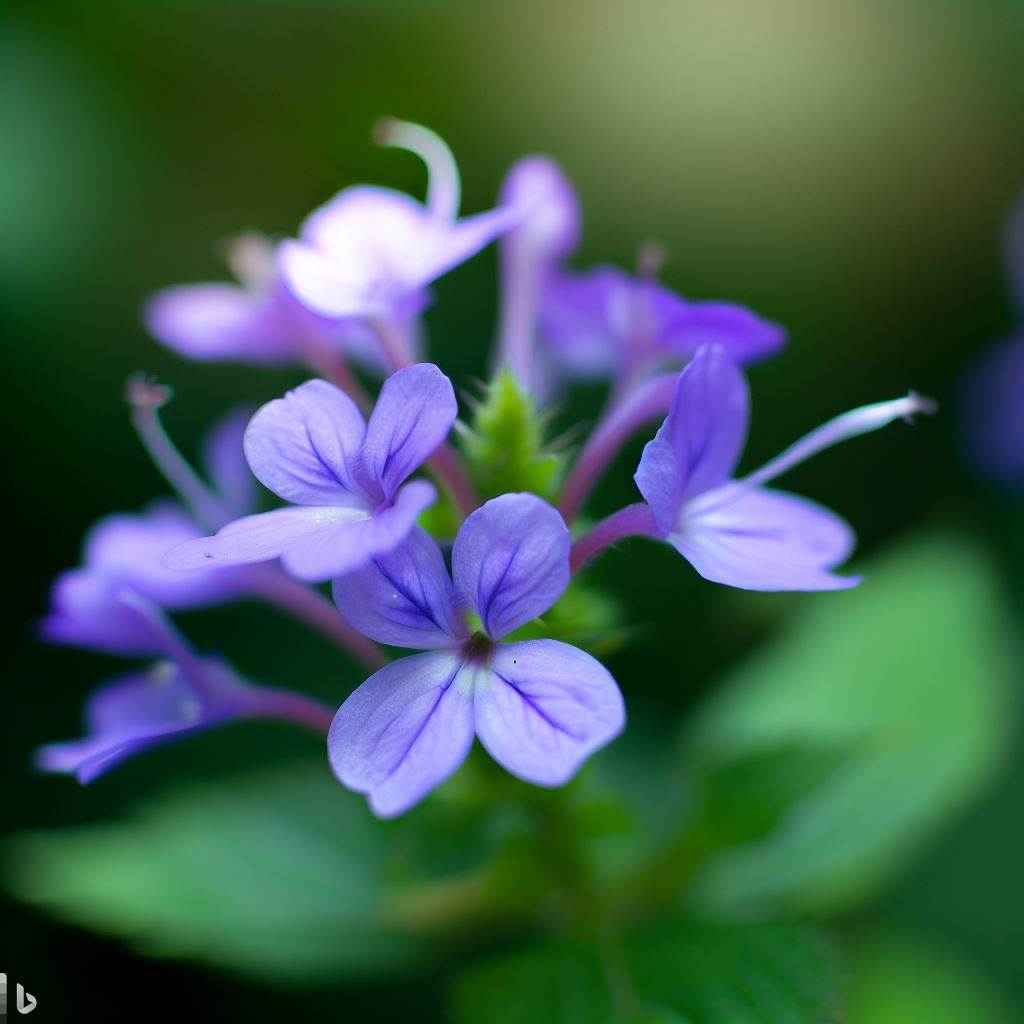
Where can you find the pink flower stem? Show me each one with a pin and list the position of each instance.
(288, 706)
(647, 402)
(632, 521)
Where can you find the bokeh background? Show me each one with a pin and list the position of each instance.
(843, 167)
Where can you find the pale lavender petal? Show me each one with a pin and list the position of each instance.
(364, 217)
(458, 242)
(510, 561)
(761, 539)
(404, 597)
(96, 611)
(224, 459)
(544, 708)
(333, 287)
(315, 532)
(323, 556)
(222, 322)
(131, 548)
(744, 335)
(404, 731)
(550, 224)
(305, 446)
(135, 713)
(699, 444)
(413, 415)
(584, 320)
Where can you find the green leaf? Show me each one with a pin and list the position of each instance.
(896, 980)
(283, 876)
(908, 673)
(505, 446)
(686, 971)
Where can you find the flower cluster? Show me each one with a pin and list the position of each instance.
(345, 299)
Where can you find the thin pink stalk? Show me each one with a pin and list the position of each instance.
(632, 521)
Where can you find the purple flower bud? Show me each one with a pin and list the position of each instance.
(539, 707)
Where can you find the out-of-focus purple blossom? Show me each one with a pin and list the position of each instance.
(171, 699)
(369, 251)
(546, 233)
(258, 320)
(344, 477)
(141, 710)
(539, 707)
(993, 387)
(126, 550)
(606, 323)
(993, 407)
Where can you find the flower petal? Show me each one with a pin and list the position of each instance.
(699, 444)
(510, 561)
(221, 322)
(403, 598)
(131, 548)
(453, 244)
(305, 446)
(95, 610)
(544, 708)
(761, 539)
(745, 337)
(404, 731)
(413, 415)
(324, 556)
(132, 714)
(269, 535)
(224, 459)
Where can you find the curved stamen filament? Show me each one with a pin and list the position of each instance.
(850, 424)
(443, 186)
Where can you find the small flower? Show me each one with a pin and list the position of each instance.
(257, 321)
(739, 532)
(606, 323)
(369, 250)
(343, 475)
(539, 707)
(141, 710)
(176, 697)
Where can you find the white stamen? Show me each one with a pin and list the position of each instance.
(443, 185)
(251, 259)
(850, 424)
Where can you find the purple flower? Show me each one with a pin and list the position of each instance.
(258, 321)
(97, 611)
(345, 477)
(605, 323)
(539, 707)
(369, 250)
(739, 532)
(145, 709)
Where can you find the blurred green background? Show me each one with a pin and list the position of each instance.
(842, 167)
